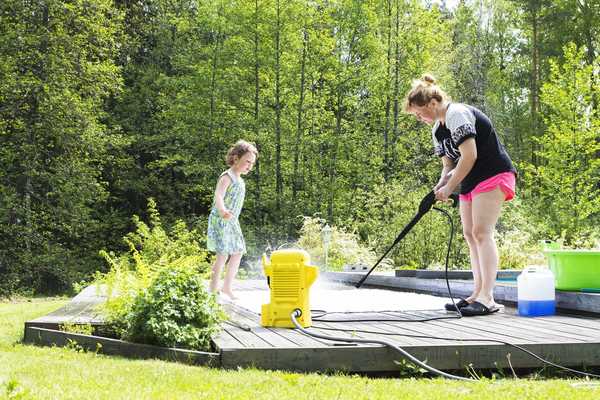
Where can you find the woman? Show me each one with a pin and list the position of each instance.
(472, 157)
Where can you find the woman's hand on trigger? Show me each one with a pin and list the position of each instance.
(440, 184)
(443, 193)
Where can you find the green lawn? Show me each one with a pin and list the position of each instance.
(29, 372)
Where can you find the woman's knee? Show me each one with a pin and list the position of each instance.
(481, 233)
(468, 234)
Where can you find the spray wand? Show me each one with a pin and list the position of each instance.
(424, 208)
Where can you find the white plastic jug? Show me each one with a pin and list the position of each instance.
(535, 292)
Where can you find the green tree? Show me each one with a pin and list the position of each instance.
(564, 186)
(57, 71)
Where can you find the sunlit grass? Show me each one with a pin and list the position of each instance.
(30, 372)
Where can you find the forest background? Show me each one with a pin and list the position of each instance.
(105, 104)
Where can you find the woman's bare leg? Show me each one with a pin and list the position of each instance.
(486, 209)
(467, 224)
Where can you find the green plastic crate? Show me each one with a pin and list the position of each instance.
(574, 269)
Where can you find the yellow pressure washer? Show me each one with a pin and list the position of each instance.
(289, 276)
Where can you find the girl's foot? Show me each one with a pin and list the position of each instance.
(229, 294)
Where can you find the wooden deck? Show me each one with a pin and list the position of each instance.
(564, 339)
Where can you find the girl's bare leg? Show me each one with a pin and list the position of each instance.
(216, 272)
(232, 268)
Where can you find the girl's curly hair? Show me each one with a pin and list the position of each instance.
(238, 150)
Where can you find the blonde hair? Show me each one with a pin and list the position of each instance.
(238, 150)
(423, 91)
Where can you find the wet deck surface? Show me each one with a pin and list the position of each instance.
(565, 339)
(569, 340)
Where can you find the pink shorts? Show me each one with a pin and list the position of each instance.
(504, 180)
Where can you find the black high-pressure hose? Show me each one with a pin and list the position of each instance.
(297, 313)
(457, 314)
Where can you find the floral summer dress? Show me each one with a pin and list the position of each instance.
(225, 236)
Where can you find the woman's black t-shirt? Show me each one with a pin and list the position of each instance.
(464, 122)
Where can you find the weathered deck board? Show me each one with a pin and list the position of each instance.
(274, 339)
(486, 329)
(429, 329)
(566, 339)
(571, 340)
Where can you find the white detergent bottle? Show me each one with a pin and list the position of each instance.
(535, 292)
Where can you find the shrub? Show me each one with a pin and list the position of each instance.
(516, 238)
(344, 247)
(175, 311)
(133, 276)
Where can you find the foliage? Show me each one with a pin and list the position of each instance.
(344, 247)
(516, 238)
(134, 275)
(382, 214)
(564, 186)
(175, 311)
(56, 72)
(105, 103)
(83, 329)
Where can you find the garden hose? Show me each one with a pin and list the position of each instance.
(297, 313)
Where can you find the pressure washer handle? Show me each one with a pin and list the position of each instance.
(429, 200)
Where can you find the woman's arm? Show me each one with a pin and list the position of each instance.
(468, 155)
(447, 168)
(222, 185)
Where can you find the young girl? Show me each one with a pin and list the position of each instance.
(473, 157)
(224, 233)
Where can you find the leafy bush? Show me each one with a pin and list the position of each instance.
(134, 275)
(175, 311)
(344, 247)
(516, 237)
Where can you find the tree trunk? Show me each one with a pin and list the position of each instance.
(213, 91)
(587, 15)
(298, 142)
(332, 164)
(386, 130)
(278, 174)
(535, 76)
(257, 177)
(396, 134)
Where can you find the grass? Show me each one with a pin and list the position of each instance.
(29, 372)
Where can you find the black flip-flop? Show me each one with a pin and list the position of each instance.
(476, 308)
(459, 304)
